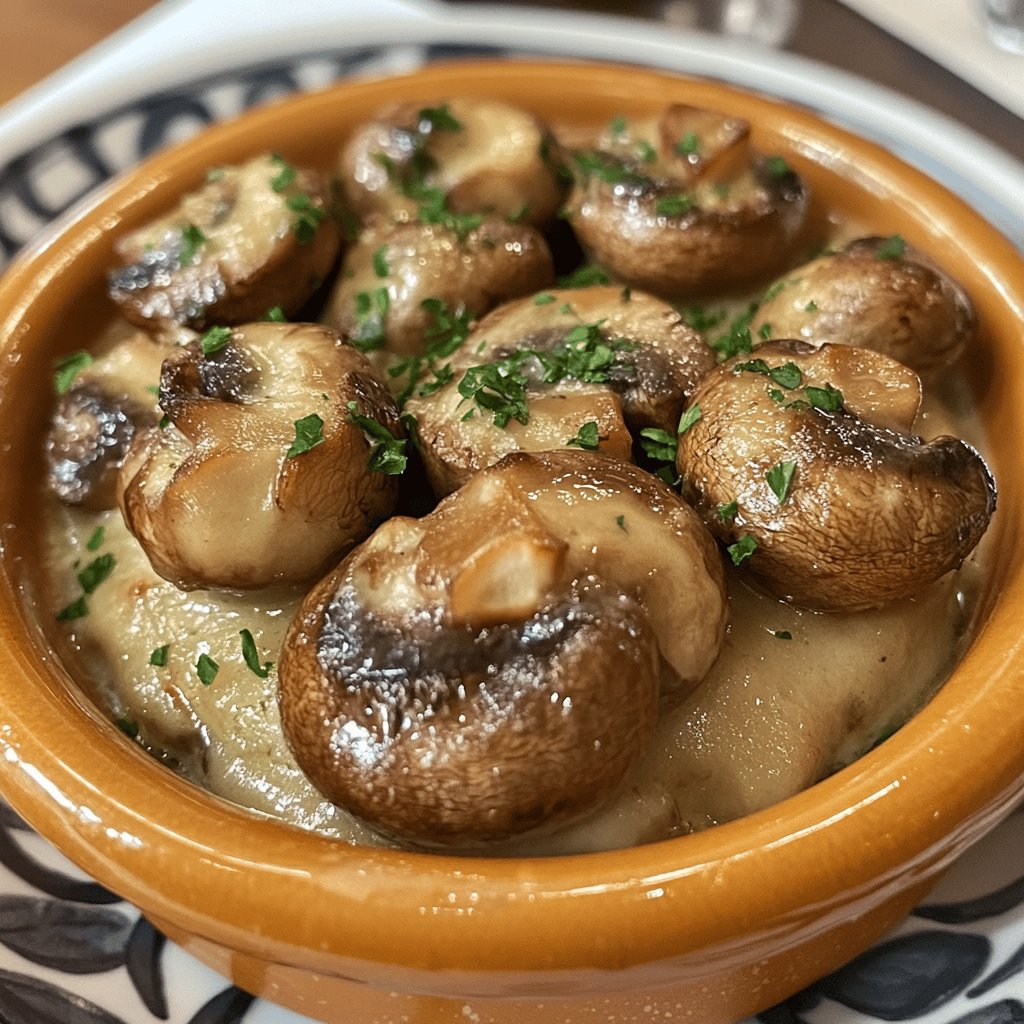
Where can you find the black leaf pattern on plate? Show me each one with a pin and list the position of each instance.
(990, 905)
(227, 1007)
(1011, 966)
(68, 937)
(27, 1000)
(53, 883)
(909, 976)
(1007, 1011)
(142, 958)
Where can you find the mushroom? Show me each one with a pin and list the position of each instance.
(102, 402)
(877, 293)
(802, 462)
(681, 205)
(461, 157)
(496, 666)
(397, 277)
(251, 238)
(262, 473)
(534, 373)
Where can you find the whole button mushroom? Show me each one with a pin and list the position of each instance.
(454, 160)
(251, 238)
(102, 403)
(397, 277)
(574, 367)
(496, 666)
(801, 460)
(877, 293)
(262, 473)
(681, 205)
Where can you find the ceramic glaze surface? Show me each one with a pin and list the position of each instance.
(789, 893)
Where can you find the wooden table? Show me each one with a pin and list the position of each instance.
(42, 35)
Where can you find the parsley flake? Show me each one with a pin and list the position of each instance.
(828, 398)
(380, 262)
(77, 609)
(584, 277)
(892, 248)
(658, 444)
(728, 513)
(192, 240)
(620, 522)
(158, 656)
(776, 167)
(252, 656)
(742, 549)
(811, 307)
(309, 432)
(587, 437)
(275, 315)
(688, 145)
(780, 479)
(371, 310)
(674, 206)
(67, 369)
(438, 119)
(387, 452)
(308, 216)
(498, 388)
(206, 669)
(782, 634)
(214, 339)
(92, 575)
(285, 175)
(688, 419)
(95, 541)
(544, 299)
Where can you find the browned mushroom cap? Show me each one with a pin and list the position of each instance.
(497, 665)
(253, 237)
(460, 156)
(534, 372)
(801, 462)
(97, 414)
(397, 277)
(262, 475)
(681, 205)
(877, 293)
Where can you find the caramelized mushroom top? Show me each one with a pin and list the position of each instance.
(802, 462)
(251, 238)
(262, 474)
(496, 666)
(574, 367)
(876, 293)
(457, 158)
(681, 205)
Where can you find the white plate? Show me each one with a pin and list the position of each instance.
(66, 955)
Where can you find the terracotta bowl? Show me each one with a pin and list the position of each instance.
(708, 927)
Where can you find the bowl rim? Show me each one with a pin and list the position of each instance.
(427, 896)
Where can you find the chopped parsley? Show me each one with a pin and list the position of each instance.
(93, 574)
(703, 320)
(688, 145)
(67, 369)
(780, 479)
(764, 331)
(828, 398)
(308, 216)
(285, 175)
(380, 262)
(646, 152)
(587, 437)
(387, 452)
(776, 167)
(214, 339)
(742, 549)
(275, 315)
(674, 206)
(192, 240)
(620, 522)
(443, 338)
(736, 340)
(658, 444)
(782, 634)
(438, 119)
(618, 126)
(77, 609)
(609, 169)
(371, 309)
(498, 388)
(688, 419)
(811, 307)
(158, 656)
(206, 669)
(584, 277)
(309, 432)
(892, 248)
(252, 656)
(544, 299)
(728, 513)
(95, 541)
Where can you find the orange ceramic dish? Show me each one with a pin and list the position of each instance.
(708, 927)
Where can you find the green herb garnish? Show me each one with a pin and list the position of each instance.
(214, 339)
(275, 315)
(68, 368)
(688, 145)
(158, 656)
(584, 277)
(658, 444)
(688, 419)
(544, 299)
(192, 239)
(252, 656)
(742, 549)
(587, 437)
(498, 388)
(309, 432)
(308, 216)
(77, 609)
(776, 167)
(285, 175)
(892, 248)
(782, 634)
(438, 119)
(206, 669)
(387, 452)
(620, 522)
(728, 513)
(828, 398)
(371, 309)
(95, 541)
(780, 479)
(380, 262)
(90, 577)
(674, 206)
